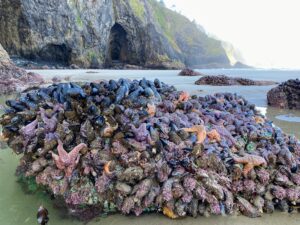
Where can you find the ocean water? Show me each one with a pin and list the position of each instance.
(17, 208)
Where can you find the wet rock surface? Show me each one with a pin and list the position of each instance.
(189, 72)
(222, 80)
(285, 95)
(13, 78)
(141, 146)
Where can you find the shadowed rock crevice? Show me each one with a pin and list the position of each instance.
(55, 53)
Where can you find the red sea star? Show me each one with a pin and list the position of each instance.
(67, 161)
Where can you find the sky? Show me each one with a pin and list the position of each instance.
(267, 32)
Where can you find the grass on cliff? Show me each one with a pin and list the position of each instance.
(138, 8)
(180, 31)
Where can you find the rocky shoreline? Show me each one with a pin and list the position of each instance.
(99, 150)
(223, 80)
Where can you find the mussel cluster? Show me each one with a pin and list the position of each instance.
(142, 146)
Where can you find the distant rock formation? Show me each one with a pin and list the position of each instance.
(222, 80)
(234, 55)
(189, 72)
(240, 65)
(13, 78)
(106, 33)
(285, 95)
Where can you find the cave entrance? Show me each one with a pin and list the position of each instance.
(118, 44)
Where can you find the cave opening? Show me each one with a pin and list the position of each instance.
(118, 45)
(55, 53)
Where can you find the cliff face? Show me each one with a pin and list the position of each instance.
(97, 33)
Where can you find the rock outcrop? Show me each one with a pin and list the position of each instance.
(135, 147)
(189, 72)
(222, 80)
(286, 95)
(4, 57)
(13, 78)
(97, 33)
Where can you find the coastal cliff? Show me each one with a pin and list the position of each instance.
(103, 33)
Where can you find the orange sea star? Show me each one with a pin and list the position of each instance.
(259, 120)
(250, 162)
(200, 130)
(169, 213)
(184, 96)
(3, 138)
(106, 168)
(214, 135)
(151, 109)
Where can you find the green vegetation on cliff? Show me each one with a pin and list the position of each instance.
(184, 34)
(138, 8)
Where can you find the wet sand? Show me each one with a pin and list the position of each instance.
(18, 208)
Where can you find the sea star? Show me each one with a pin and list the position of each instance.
(3, 138)
(151, 109)
(259, 120)
(50, 124)
(67, 161)
(200, 130)
(184, 96)
(169, 213)
(141, 133)
(214, 135)
(106, 168)
(250, 162)
(28, 131)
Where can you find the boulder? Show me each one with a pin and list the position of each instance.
(13, 78)
(74, 67)
(285, 95)
(222, 80)
(189, 72)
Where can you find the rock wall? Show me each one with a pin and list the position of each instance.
(97, 33)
